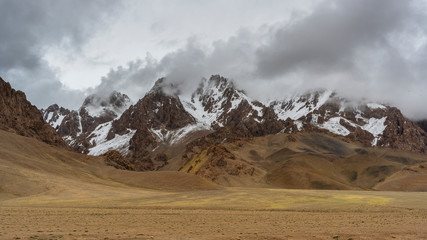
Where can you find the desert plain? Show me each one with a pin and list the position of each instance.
(49, 193)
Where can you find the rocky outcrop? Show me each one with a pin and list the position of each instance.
(78, 128)
(218, 104)
(69, 127)
(156, 110)
(154, 117)
(18, 115)
(54, 115)
(371, 124)
(215, 162)
(422, 124)
(403, 134)
(115, 159)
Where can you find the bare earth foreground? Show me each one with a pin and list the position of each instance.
(47, 193)
(217, 214)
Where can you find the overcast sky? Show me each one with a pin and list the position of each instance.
(58, 51)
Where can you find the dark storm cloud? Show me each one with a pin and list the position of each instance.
(328, 39)
(361, 48)
(28, 27)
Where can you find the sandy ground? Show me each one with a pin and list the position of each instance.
(128, 223)
(235, 213)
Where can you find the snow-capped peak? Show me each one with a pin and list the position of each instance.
(54, 115)
(214, 99)
(165, 87)
(115, 103)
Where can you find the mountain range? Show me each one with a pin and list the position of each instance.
(313, 140)
(164, 118)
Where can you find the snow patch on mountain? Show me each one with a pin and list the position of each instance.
(235, 102)
(80, 126)
(100, 133)
(376, 127)
(50, 118)
(174, 136)
(298, 106)
(54, 115)
(58, 121)
(208, 93)
(214, 99)
(119, 142)
(299, 125)
(205, 118)
(69, 140)
(333, 125)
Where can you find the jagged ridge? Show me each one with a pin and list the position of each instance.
(163, 118)
(18, 115)
(81, 129)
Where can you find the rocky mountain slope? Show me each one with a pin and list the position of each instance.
(77, 128)
(308, 160)
(165, 130)
(422, 124)
(369, 123)
(217, 104)
(18, 115)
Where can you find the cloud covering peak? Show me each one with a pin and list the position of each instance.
(362, 49)
(375, 50)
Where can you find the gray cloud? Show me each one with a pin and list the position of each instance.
(327, 39)
(134, 79)
(28, 28)
(185, 67)
(361, 48)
